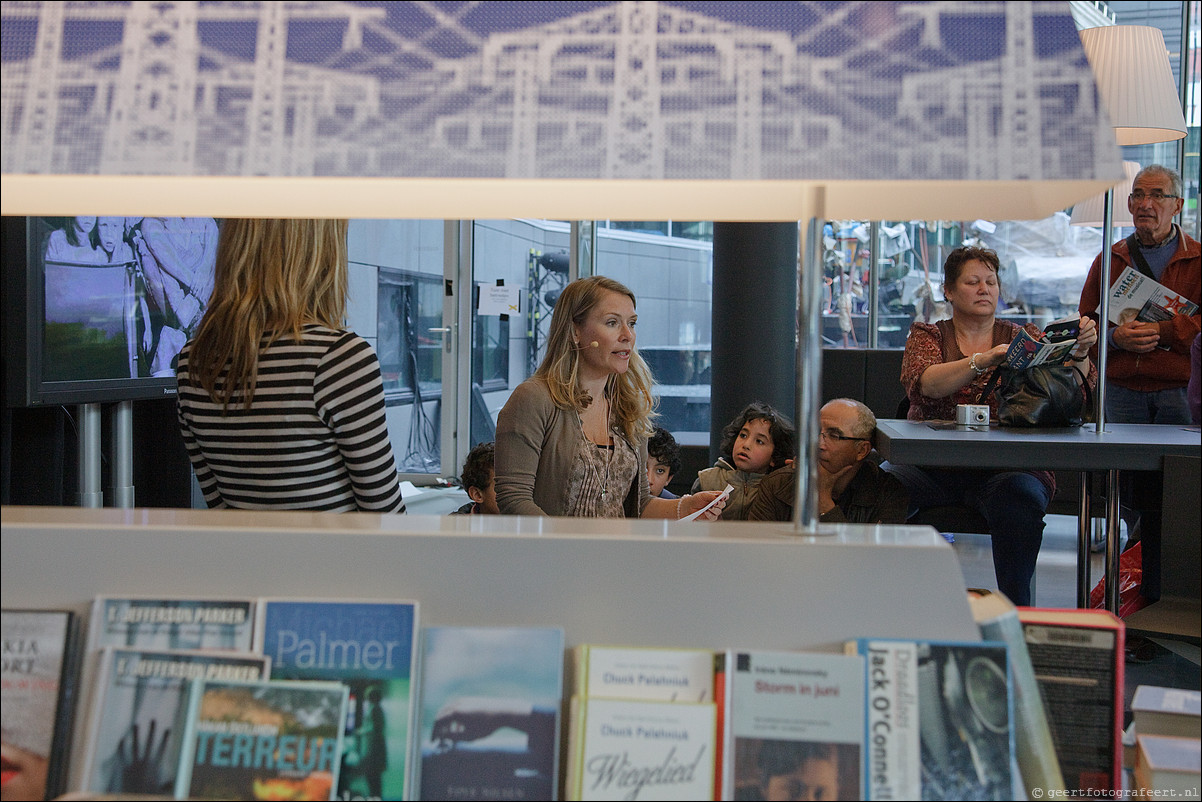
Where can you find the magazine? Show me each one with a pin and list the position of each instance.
(1054, 345)
(1134, 296)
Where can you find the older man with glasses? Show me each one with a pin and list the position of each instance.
(851, 486)
(1148, 361)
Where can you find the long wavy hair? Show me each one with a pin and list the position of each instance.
(629, 393)
(272, 278)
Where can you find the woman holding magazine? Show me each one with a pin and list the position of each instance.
(949, 362)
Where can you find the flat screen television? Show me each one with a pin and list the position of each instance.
(97, 308)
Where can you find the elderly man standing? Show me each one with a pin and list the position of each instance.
(1148, 362)
(851, 487)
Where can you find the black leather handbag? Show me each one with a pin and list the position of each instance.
(1045, 395)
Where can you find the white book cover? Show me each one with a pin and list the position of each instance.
(632, 672)
(794, 725)
(634, 749)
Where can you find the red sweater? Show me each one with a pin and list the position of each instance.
(1158, 369)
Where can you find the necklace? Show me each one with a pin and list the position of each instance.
(609, 456)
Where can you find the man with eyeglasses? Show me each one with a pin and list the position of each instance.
(851, 486)
(1148, 362)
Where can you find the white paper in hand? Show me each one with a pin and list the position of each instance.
(723, 497)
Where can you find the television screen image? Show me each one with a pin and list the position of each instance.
(123, 294)
(105, 304)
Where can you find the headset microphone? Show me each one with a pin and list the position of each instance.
(593, 344)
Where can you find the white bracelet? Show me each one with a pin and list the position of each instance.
(972, 363)
(680, 501)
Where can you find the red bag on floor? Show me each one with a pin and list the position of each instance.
(1131, 576)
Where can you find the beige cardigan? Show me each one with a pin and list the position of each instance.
(537, 445)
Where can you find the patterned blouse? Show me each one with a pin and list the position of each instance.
(590, 495)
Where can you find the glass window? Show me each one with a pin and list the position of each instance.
(672, 278)
(396, 289)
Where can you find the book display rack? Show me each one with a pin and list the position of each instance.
(663, 584)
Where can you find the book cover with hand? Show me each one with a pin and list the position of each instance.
(37, 699)
(794, 725)
(140, 705)
(489, 713)
(938, 719)
(1078, 658)
(369, 646)
(268, 739)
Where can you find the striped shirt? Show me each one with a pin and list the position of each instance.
(314, 437)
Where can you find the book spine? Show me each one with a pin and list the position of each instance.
(187, 754)
(1036, 750)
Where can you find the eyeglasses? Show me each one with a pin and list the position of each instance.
(1139, 196)
(835, 434)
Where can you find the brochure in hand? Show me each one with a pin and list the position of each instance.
(1134, 296)
(1054, 345)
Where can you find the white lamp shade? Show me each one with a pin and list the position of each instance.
(1135, 82)
(1090, 212)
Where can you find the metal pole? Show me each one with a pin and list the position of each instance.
(90, 494)
(1084, 539)
(809, 372)
(123, 454)
(874, 278)
(1112, 541)
(1104, 310)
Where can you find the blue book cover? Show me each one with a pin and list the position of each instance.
(268, 739)
(489, 713)
(369, 646)
(937, 719)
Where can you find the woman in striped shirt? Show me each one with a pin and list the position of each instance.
(280, 406)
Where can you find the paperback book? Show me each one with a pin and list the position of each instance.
(1054, 345)
(632, 674)
(1078, 658)
(645, 750)
(370, 647)
(1167, 766)
(794, 725)
(1035, 749)
(628, 672)
(270, 739)
(138, 714)
(489, 722)
(1166, 711)
(153, 623)
(37, 697)
(938, 720)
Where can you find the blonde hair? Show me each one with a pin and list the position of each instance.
(272, 278)
(630, 398)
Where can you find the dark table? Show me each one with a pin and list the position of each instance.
(1122, 446)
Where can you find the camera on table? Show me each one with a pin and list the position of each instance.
(972, 414)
